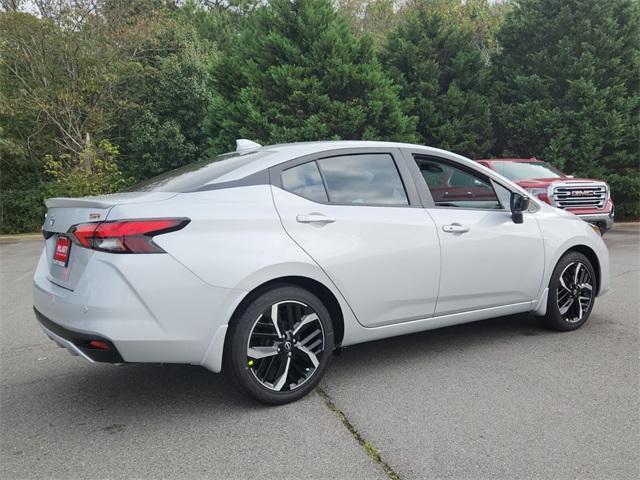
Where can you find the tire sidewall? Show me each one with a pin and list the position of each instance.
(239, 337)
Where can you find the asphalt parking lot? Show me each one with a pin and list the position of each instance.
(501, 398)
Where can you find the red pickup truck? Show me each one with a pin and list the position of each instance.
(587, 198)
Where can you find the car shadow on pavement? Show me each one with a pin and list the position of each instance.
(142, 391)
(148, 388)
(438, 344)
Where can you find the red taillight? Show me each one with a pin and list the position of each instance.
(125, 236)
(83, 233)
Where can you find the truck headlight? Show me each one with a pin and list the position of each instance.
(536, 192)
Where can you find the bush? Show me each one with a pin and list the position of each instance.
(94, 172)
(21, 210)
(625, 192)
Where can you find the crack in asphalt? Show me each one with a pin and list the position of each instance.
(37, 380)
(625, 273)
(372, 452)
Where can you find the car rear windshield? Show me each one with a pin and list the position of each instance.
(195, 175)
(526, 170)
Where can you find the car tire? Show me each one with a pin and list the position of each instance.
(572, 292)
(282, 361)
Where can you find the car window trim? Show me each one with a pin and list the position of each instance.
(275, 174)
(324, 184)
(260, 177)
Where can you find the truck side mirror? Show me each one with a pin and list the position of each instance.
(519, 204)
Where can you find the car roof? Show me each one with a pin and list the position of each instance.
(271, 155)
(519, 160)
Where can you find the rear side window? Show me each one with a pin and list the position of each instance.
(305, 180)
(368, 179)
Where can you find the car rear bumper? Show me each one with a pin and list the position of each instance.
(148, 308)
(79, 343)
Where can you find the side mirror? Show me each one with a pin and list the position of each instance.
(519, 204)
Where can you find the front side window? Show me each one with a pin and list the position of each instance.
(451, 186)
(305, 180)
(366, 179)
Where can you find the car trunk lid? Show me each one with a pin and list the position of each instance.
(63, 213)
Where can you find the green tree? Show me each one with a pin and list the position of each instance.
(20, 193)
(219, 22)
(80, 72)
(164, 96)
(55, 87)
(298, 73)
(93, 172)
(444, 79)
(56, 79)
(568, 89)
(481, 19)
(374, 17)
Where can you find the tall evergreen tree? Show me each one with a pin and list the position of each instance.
(444, 80)
(298, 73)
(568, 84)
(164, 91)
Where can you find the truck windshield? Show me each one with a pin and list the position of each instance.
(526, 170)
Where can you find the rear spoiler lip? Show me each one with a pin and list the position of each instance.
(67, 202)
(109, 200)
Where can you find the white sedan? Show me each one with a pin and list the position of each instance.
(265, 260)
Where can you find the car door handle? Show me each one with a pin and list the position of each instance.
(314, 218)
(455, 228)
